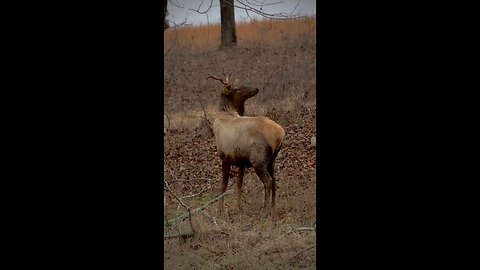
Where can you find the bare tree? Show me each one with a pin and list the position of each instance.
(227, 18)
(227, 15)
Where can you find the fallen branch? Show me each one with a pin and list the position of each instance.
(301, 251)
(201, 208)
(300, 229)
(188, 180)
(214, 219)
(189, 215)
(199, 193)
(173, 194)
(182, 235)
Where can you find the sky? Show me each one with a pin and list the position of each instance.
(179, 11)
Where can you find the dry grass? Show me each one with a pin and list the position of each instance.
(245, 240)
(279, 58)
(265, 32)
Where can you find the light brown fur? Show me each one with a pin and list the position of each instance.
(237, 136)
(245, 141)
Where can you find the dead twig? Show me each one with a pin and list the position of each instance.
(214, 219)
(299, 229)
(166, 221)
(181, 202)
(204, 111)
(168, 119)
(173, 194)
(201, 208)
(258, 9)
(182, 235)
(301, 251)
(202, 12)
(199, 193)
(175, 41)
(188, 180)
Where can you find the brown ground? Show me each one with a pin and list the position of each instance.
(284, 70)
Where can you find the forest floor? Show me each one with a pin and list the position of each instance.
(285, 73)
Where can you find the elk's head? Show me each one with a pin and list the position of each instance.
(233, 97)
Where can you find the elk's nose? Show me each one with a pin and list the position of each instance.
(256, 90)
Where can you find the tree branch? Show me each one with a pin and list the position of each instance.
(273, 16)
(201, 208)
(263, 3)
(202, 12)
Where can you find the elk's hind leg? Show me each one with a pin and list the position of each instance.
(262, 172)
(271, 171)
(261, 158)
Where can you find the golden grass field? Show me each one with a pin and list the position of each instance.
(268, 32)
(278, 57)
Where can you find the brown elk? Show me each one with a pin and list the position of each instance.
(245, 141)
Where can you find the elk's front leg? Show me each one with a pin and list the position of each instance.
(223, 187)
(241, 172)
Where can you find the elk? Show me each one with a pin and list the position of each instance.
(245, 141)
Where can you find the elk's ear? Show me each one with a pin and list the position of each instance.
(227, 89)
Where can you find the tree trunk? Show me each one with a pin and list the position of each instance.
(165, 12)
(227, 17)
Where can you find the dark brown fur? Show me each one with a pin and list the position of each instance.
(235, 101)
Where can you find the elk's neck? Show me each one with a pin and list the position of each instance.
(229, 114)
(230, 110)
(229, 106)
(218, 115)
